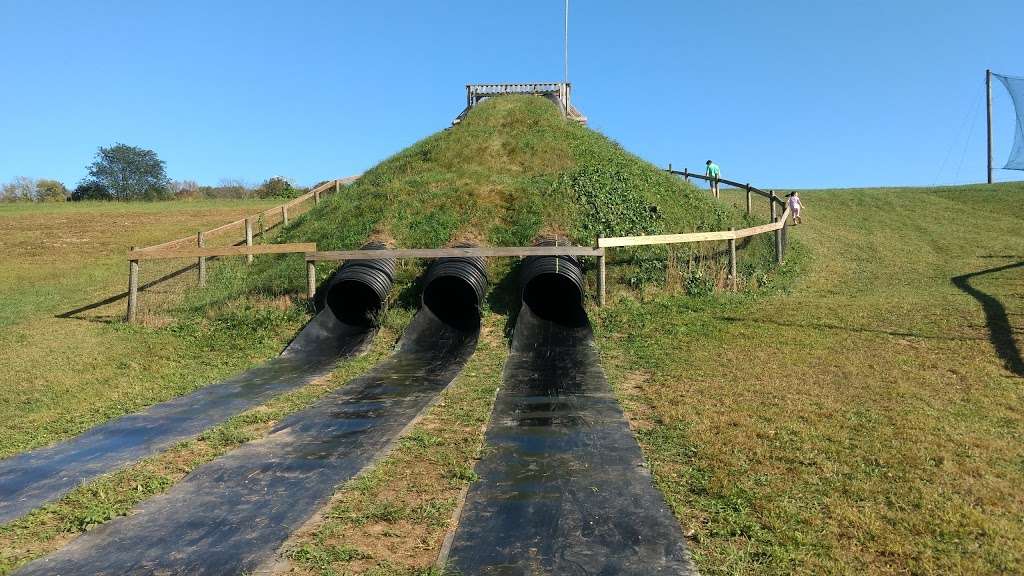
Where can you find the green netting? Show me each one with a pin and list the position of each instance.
(1015, 86)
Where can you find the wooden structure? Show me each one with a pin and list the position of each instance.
(312, 255)
(431, 253)
(194, 246)
(558, 92)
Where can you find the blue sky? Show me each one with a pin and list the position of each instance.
(781, 94)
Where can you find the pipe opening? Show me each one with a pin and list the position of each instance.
(453, 290)
(355, 303)
(454, 302)
(358, 290)
(555, 297)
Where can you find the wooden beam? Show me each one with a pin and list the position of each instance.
(176, 242)
(223, 251)
(665, 239)
(220, 229)
(755, 230)
(310, 279)
(600, 280)
(732, 264)
(201, 243)
(248, 238)
(339, 255)
(133, 290)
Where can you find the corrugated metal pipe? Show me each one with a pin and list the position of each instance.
(358, 290)
(552, 286)
(454, 289)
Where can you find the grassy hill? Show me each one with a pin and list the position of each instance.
(857, 411)
(513, 169)
(864, 419)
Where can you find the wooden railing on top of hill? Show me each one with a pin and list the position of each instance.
(312, 256)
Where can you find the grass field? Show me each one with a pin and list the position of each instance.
(857, 411)
(62, 375)
(867, 419)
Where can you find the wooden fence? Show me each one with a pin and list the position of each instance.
(195, 246)
(560, 92)
(168, 250)
(778, 222)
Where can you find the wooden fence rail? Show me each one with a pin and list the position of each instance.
(731, 236)
(497, 251)
(313, 194)
(312, 256)
(194, 246)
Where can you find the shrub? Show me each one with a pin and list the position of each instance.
(50, 191)
(276, 187)
(91, 190)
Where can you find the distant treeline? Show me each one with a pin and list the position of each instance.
(126, 173)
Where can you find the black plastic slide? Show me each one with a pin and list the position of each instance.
(353, 298)
(231, 515)
(563, 488)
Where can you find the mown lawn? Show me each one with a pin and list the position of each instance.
(61, 375)
(859, 412)
(869, 417)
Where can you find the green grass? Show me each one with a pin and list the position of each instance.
(512, 170)
(857, 419)
(392, 520)
(855, 411)
(63, 375)
(113, 495)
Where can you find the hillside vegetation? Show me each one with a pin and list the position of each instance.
(512, 170)
(868, 419)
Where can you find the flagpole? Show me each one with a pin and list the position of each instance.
(988, 99)
(565, 58)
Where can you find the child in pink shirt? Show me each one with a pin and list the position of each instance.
(795, 206)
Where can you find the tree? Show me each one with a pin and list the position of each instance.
(21, 189)
(90, 190)
(50, 191)
(129, 173)
(276, 187)
(183, 189)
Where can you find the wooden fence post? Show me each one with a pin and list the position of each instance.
(337, 185)
(316, 197)
(248, 239)
(310, 279)
(778, 233)
(133, 289)
(732, 262)
(748, 199)
(686, 174)
(201, 242)
(601, 279)
(284, 215)
(670, 167)
(771, 204)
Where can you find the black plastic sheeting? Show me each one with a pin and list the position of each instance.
(34, 478)
(231, 515)
(563, 487)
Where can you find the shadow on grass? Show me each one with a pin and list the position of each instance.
(1000, 332)
(851, 329)
(75, 313)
